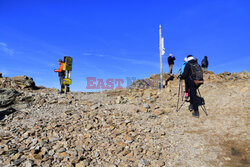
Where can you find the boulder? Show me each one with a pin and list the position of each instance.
(233, 76)
(19, 82)
(144, 84)
(121, 100)
(7, 97)
(152, 82)
(243, 75)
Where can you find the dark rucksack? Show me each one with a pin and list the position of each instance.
(197, 74)
(204, 63)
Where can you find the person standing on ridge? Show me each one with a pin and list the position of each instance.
(204, 63)
(171, 60)
(61, 74)
(189, 74)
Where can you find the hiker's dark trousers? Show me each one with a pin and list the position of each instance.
(61, 78)
(186, 86)
(193, 95)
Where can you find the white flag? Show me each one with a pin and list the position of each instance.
(162, 46)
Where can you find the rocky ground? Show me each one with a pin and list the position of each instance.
(127, 127)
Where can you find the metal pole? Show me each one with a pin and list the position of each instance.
(160, 57)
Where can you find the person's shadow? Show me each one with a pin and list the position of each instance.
(7, 111)
(170, 78)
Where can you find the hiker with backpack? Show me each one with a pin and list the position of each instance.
(171, 60)
(204, 63)
(194, 76)
(187, 90)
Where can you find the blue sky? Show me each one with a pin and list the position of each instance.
(119, 39)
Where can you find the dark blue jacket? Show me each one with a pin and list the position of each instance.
(171, 60)
(204, 63)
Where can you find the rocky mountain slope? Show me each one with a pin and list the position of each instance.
(126, 127)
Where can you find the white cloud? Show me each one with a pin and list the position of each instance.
(87, 54)
(92, 54)
(3, 44)
(4, 48)
(100, 55)
(131, 61)
(4, 72)
(138, 62)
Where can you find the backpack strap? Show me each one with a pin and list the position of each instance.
(192, 71)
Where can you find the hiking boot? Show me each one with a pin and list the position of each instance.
(190, 107)
(196, 114)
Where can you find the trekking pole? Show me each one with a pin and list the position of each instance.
(178, 96)
(182, 93)
(204, 109)
(203, 105)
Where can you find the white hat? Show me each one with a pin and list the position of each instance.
(190, 58)
(185, 59)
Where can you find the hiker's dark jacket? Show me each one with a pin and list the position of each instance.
(190, 84)
(204, 63)
(187, 70)
(171, 60)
